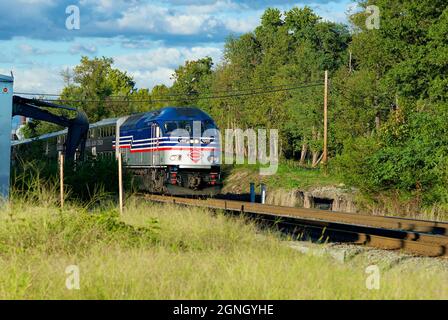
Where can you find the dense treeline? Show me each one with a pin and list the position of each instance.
(398, 89)
(388, 98)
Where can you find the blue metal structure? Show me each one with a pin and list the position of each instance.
(252, 192)
(6, 93)
(78, 127)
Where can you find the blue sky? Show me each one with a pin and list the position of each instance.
(148, 39)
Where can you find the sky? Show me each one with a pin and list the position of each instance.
(148, 39)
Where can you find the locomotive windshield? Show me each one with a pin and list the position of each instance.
(170, 126)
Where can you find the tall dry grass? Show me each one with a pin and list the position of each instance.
(159, 251)
(168, 252)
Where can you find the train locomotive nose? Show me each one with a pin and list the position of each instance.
(195, 155)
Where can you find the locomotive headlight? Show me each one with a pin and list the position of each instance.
(176, 157)
(207, 140)
(213, 159)
(195, 141)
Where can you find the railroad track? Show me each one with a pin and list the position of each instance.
(420, 237)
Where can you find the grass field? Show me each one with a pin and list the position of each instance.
(169, 252)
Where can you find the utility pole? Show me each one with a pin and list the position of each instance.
(120, 181)
(61, 178)
(350, 63)
(119, 156)
(325, 153)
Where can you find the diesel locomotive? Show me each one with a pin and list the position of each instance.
(174, 150)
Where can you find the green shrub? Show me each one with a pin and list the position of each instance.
(73, 232)
(86, 182)
(409, 155)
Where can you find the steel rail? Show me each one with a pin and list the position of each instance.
(422, 237)
(421, 226)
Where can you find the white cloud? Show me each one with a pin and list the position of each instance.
(157, 19)
(217, 7)
(78, 48)
(195, 20)
(37, 2)
(107, 7)
(139, 44)
(38, 79)
(242, 25)
(157, 65)
(149, 60)
(184, 20)
(30, 50)
(200, 52)
(159, 28)
(188, 24)
(149, 68)
(151, 78)
(165, 57)
(26, 48)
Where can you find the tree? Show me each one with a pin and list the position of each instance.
(95, 82)
(400, 77)
(284, 50)
(190, 79)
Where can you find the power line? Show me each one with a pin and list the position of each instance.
(187, 98)
(38, 94)
(183, 94)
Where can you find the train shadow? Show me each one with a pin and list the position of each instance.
(327, 232)
(244, 197)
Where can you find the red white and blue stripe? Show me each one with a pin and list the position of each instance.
(163, 144)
